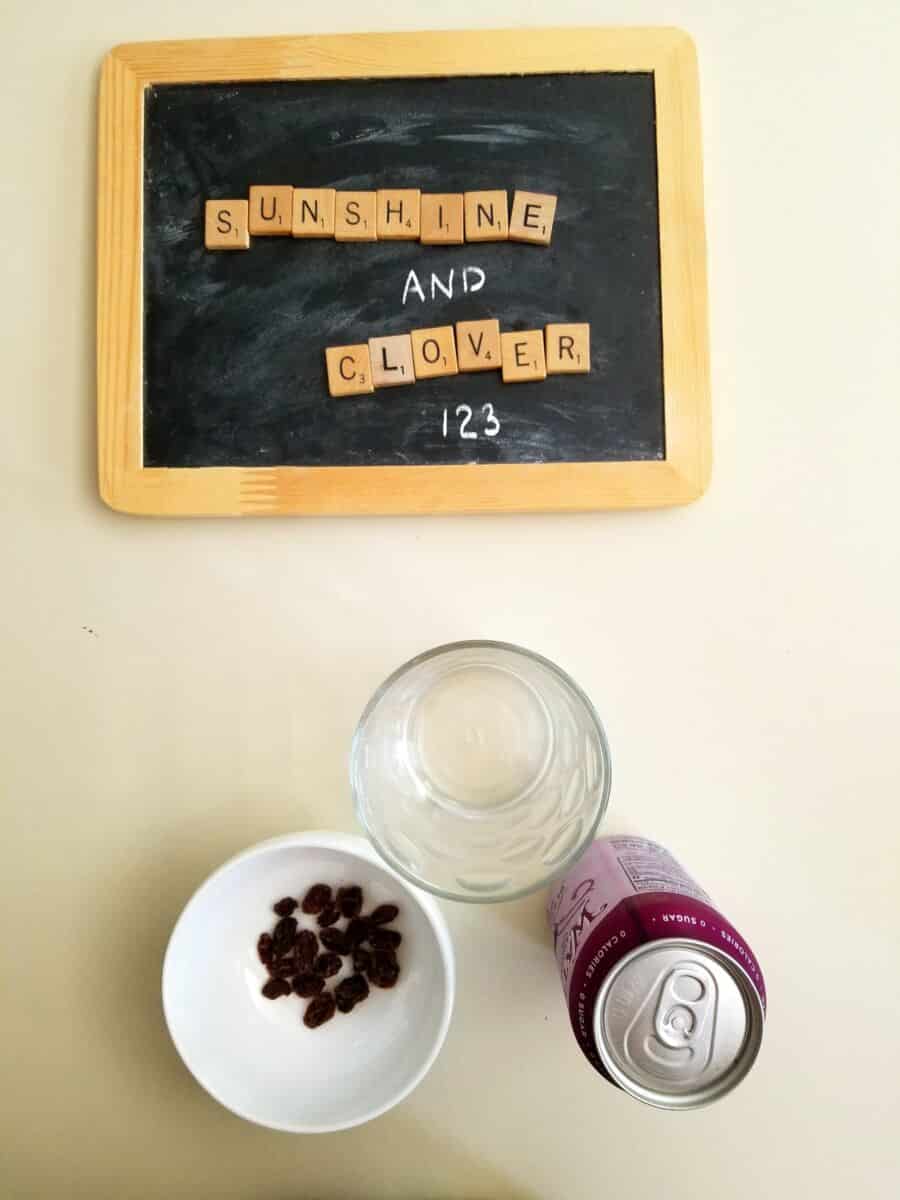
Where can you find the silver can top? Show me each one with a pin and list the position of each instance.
(678, 1024)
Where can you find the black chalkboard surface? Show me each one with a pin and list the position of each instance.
(234, 369)
(211, 365)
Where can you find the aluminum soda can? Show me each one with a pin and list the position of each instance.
(665, 997)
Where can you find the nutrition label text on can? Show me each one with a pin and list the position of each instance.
(651, 868)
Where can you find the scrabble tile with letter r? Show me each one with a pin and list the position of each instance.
(349, 370)
(392, 360)
(532, 218)
(568, 349)
(487, 217)
(226, 225)
(523, 356)
(478, 345)
(271, 210)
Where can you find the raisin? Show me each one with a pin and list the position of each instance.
(317, 898)
(328, 965)
(306, 947)
(350, 900)
(275, 988)
(319, 1011)
(354, 985)
(335, 940)
(307, 985)
(283, 935)
(284, 907)
(362, 959)
(349, 992)
(329, 916)
(282, 968)
(385, 939)
(264, 948)
(384, 914)
(345, 1004)
(384, 971)
(358, 930)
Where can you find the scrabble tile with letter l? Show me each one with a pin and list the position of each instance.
(392, 360)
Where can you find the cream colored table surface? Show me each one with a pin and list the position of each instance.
(172, 692)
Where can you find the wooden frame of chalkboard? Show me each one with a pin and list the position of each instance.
(677, 474)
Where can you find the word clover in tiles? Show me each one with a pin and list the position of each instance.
(400, 359)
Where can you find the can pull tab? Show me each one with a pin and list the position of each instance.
(679, 1035)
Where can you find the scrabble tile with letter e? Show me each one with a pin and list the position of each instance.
(392, 360)
(478, 345)
(349, 370)
(398, 214)
(271, 210)
(442, 219)
(313, 213)
(523, 356)
(532, 218)
(226, 225)
(487, 217)
(354, 217)
(568, 349)
(434, 352)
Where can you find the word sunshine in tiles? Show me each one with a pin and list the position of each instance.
(398, 214)
(403, 358)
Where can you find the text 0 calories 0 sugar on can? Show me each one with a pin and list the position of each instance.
(665, 997)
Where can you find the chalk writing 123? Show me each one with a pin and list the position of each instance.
(463, 427)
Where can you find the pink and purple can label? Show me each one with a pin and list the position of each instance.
(635, 935)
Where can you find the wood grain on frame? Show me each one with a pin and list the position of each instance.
(681, 477)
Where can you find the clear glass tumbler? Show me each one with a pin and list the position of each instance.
(480, 770)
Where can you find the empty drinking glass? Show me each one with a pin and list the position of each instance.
(480, 770)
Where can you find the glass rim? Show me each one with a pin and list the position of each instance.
(566, 679)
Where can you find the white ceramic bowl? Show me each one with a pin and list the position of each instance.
(255, 1055)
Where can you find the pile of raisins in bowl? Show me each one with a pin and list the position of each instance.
(301, 961)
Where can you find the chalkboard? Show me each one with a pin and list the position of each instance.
(232, 365)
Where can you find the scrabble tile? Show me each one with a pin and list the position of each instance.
(532, 218)
(226, 225)
(442, 219)
(487, 216)
(398, 214)
(271, 211)
(392, 360)
(349, 370)
(354, 217)
(434, 352)
(523, 356)
(478, 345)
(313, 213)
(568, 349)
